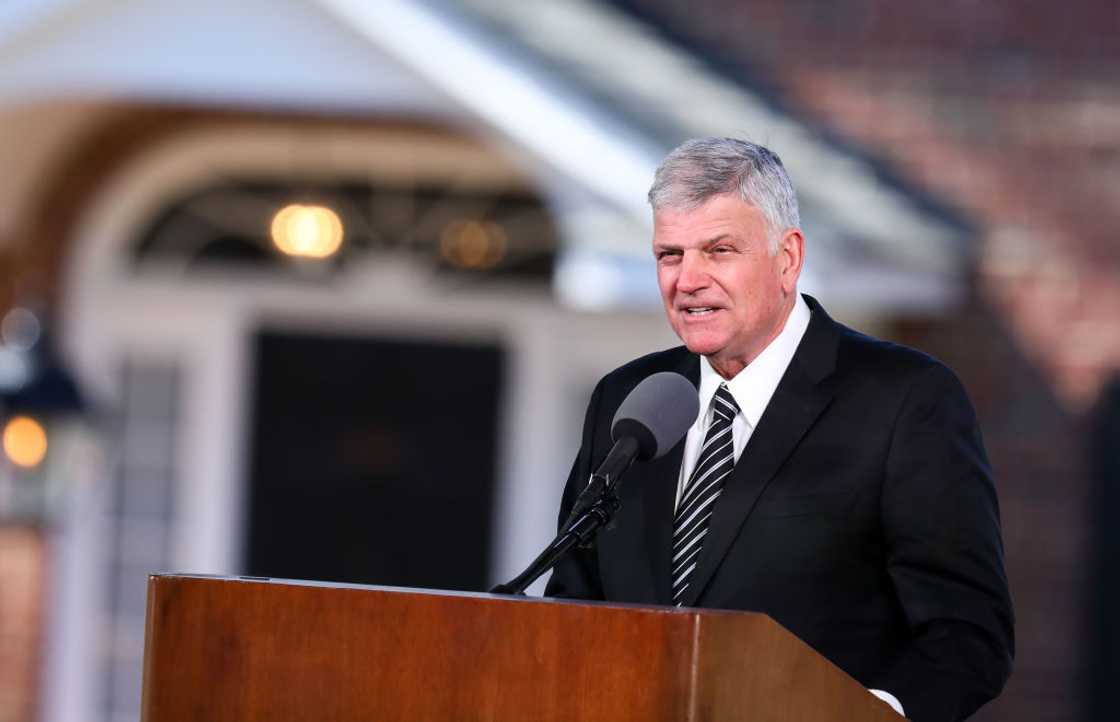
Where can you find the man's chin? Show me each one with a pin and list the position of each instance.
(703, 347)
(703, 341)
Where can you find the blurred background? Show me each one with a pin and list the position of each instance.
(319, 288)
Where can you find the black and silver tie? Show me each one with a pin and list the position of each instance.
(717, 459)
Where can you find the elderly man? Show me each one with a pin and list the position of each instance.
(833, 481)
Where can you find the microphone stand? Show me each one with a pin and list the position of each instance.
(593, 510)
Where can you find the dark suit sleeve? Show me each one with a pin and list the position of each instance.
(945, 556)
(576, 575)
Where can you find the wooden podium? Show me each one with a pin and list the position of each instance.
(237, 649)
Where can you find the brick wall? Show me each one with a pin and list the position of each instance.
(22, 567)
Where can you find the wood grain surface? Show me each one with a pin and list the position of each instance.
(221, 649)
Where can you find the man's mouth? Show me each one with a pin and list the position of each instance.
(700, 310)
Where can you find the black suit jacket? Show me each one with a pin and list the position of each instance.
(861, 516)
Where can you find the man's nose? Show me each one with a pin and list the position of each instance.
(693, 276)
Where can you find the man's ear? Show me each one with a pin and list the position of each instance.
(791, 253)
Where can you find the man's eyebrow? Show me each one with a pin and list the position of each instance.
(716, 239)
(667, 245)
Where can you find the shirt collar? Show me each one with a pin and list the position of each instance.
(755, 384)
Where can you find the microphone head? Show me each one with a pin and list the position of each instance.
(657, 413)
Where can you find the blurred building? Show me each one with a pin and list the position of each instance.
(336, 277)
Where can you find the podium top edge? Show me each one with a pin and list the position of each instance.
(248, 579)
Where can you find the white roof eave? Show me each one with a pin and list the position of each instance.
(534, 111)
(502, 85)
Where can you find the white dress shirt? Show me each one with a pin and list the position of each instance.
(751, 388)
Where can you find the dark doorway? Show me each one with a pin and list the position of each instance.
(373, 460)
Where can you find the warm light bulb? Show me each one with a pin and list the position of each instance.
(307, 231)
(473, 244)
(25, 441)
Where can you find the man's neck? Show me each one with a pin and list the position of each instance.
(729, 368)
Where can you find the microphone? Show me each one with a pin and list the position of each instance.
(650, 421)
(658, 413)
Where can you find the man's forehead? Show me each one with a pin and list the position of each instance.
(721, 213)
(724, 203)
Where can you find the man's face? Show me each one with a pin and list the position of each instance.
(725, 295)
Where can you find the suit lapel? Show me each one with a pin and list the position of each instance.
(801, 396)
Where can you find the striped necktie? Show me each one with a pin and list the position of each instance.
(717, 459)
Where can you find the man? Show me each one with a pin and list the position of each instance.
(833, 481)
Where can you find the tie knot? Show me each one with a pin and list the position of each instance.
(724, 404)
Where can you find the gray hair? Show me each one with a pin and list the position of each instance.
(701, 168)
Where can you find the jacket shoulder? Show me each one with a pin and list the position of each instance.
(860, 354)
